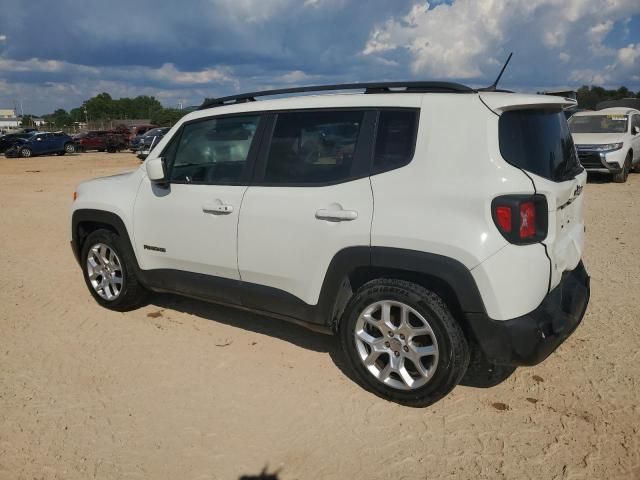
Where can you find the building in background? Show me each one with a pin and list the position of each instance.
(8, 119)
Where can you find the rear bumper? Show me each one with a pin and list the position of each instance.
(529, 339)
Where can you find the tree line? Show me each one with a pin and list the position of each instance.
(589, 97)
(104, 108)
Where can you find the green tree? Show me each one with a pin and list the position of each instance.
(59, 119)
(167, 117)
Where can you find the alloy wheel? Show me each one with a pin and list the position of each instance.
(105, 271)
(396, 345)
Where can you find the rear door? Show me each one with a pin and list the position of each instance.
(538, 141)
(310, 199)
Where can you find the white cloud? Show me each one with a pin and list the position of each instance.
(629, 56)
(251, 11)
(458, 40)
(167, 73)
(295, 76)
(624, 67)
(170, 73)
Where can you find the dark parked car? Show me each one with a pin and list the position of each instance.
(143, 142)
(9, 139)
(41, 143)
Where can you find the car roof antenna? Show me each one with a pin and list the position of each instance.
(494, 86)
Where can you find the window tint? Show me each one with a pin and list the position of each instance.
(538, 141)
(214, 150)
(313, 147)
(395, 139)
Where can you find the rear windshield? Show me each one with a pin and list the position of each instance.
(598, 124)
(539, 141)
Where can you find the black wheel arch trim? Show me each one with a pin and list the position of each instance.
(94, 216)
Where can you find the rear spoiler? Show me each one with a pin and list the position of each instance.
(499, 102)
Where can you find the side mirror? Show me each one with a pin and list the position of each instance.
(39, 139)
(636, 130)
(156, 170)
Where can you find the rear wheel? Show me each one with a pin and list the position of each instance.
(69, 148)
(622, 176)
(402, 342)
(25, 152)
(109, 272)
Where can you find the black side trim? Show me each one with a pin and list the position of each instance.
(195, 285)
(454, 273)
(261, 298)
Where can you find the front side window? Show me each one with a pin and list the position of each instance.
(313, 147)
(612, 123)
(213, 151)
(395, 139)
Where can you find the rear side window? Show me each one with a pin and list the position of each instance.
(395, 140)
(313, 147)
(539, 141)
(213, 151)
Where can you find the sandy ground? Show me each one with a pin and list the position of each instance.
(185, 390)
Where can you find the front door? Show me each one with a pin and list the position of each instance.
(312, 199)
(186, 232)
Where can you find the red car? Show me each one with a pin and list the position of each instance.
(101, 140)
(92, 140)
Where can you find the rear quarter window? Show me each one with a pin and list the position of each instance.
(539, 141)
(395, 139)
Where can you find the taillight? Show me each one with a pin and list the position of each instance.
(527, 220)
(521, 219)
(503, 218)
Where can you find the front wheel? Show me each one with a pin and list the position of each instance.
(109, 272)
(402, 342)
(25, 152)
(624, 173)
(69, 148)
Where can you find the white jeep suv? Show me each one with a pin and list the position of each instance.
(425, 223)
(608, 141)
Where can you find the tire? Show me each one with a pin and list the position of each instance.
(25, 152)
(130, 293)
(636, 169)
(69, 148)
(622, 176)
(445, 366)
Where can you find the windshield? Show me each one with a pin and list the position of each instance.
(598, 124)
(153, 132)
(539, 142)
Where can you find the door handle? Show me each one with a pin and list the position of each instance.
(336, 215)
(217, 208)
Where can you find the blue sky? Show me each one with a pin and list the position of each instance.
(57, 54)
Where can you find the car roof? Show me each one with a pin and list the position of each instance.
(497, 99)
(608, 111)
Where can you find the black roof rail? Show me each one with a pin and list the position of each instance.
(372, 87)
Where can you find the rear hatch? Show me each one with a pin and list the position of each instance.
(534, 137)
